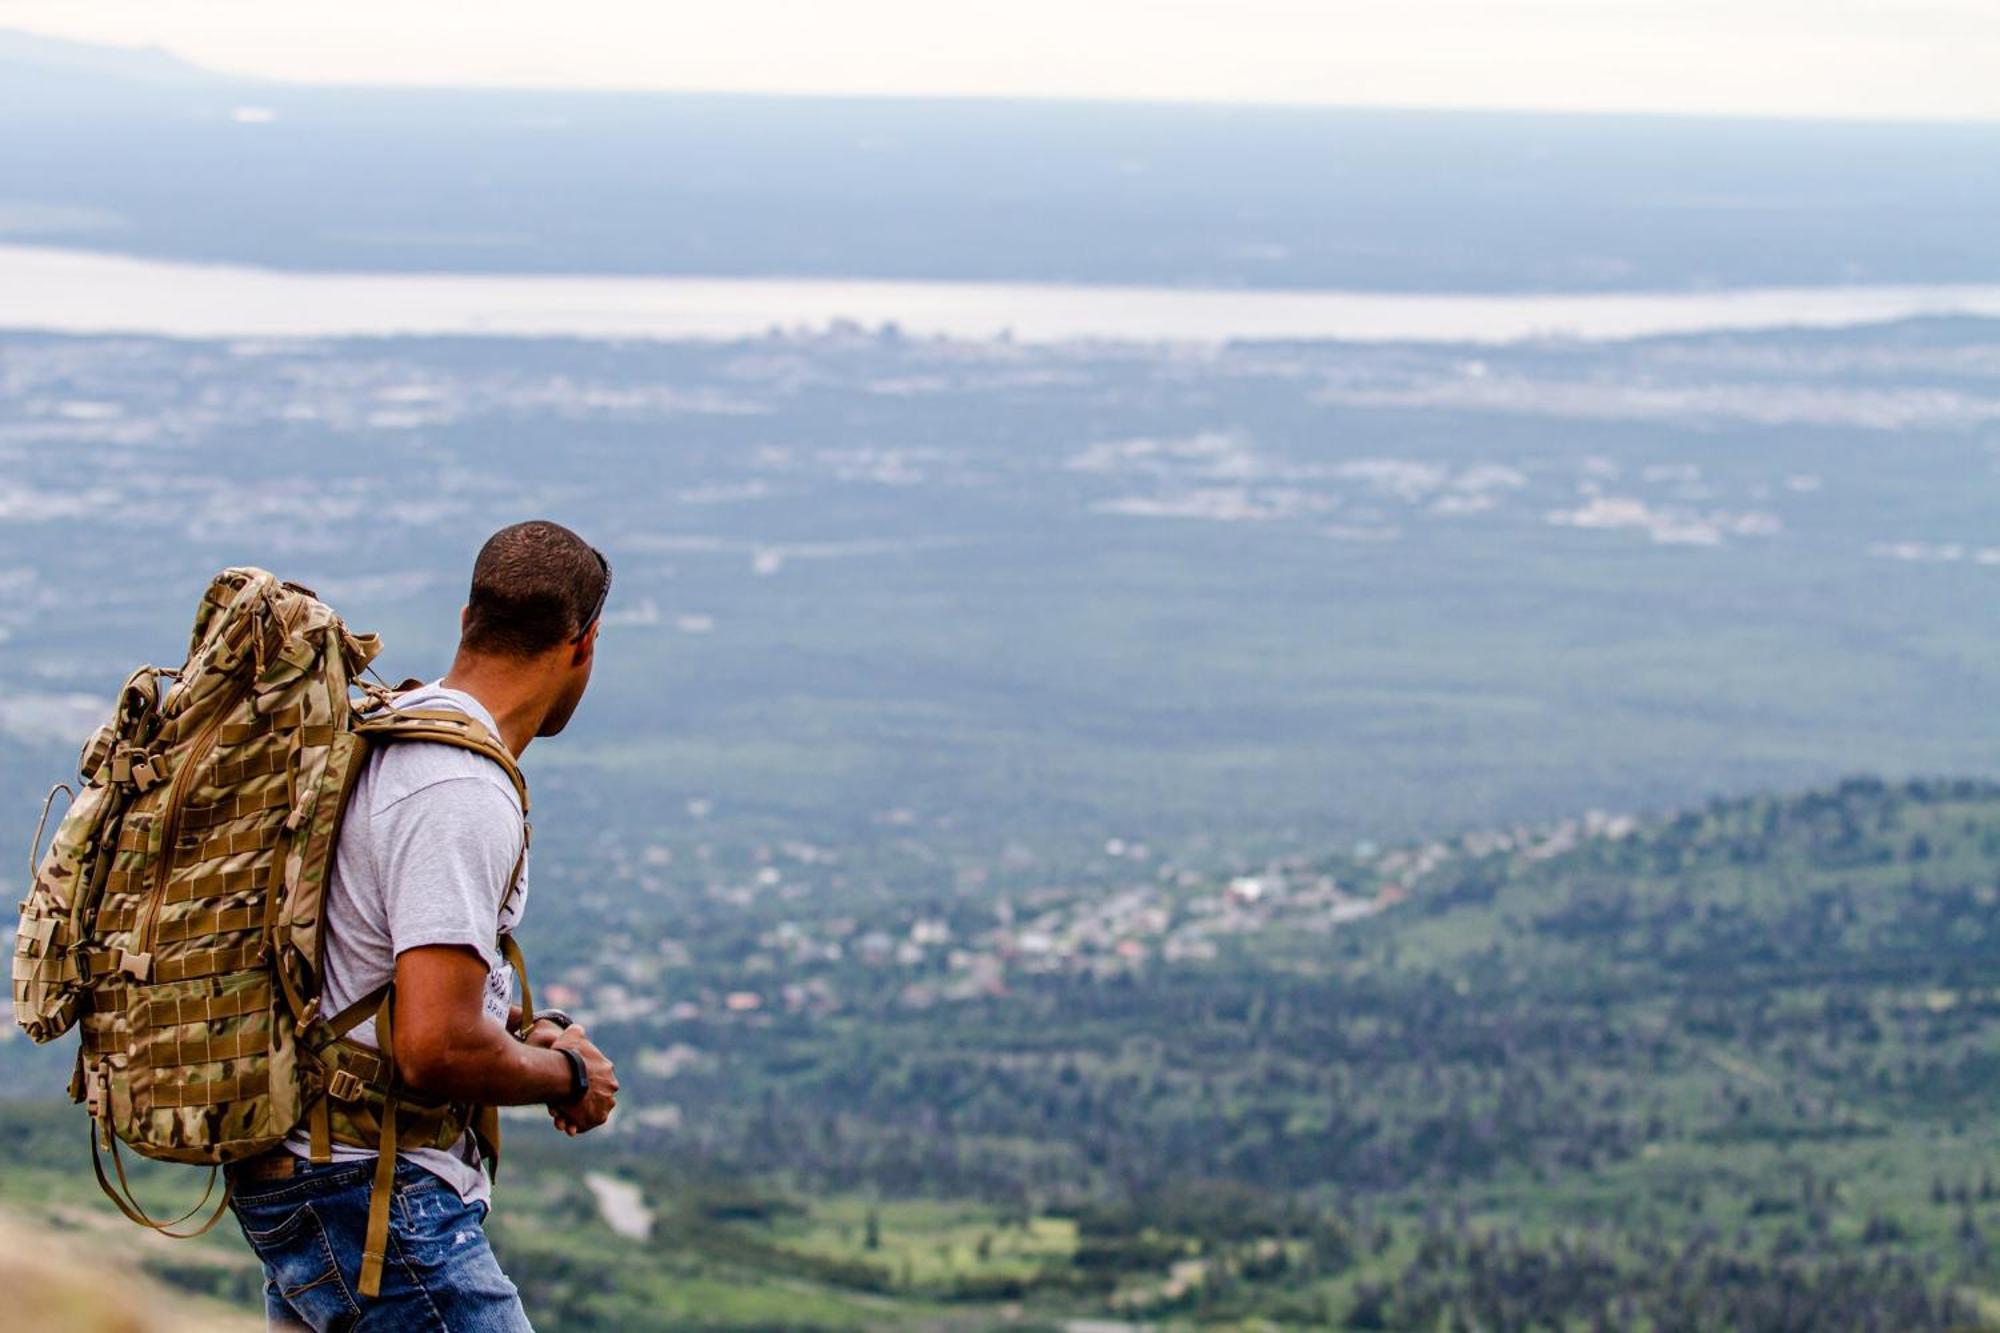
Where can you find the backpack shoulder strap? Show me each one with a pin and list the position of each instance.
(448, 726)
(444, 726)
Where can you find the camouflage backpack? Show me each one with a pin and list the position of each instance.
(177, 915)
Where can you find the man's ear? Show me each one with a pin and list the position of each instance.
(464, 618)
(582, 652)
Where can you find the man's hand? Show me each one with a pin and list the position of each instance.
(595, 1106)
(544, 1034)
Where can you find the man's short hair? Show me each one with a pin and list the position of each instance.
(535, 585)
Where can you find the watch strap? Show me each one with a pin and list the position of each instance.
(579, 1073)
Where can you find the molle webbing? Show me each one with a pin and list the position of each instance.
(170, 1054)
(195, 818)
(209, 963)
(214, 1093)
(161, 1011)
(220, 884)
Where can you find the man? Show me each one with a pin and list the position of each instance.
(424, 871)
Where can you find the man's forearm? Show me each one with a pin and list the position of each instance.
(490, 1068)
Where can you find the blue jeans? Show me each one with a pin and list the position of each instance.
(440, 1273)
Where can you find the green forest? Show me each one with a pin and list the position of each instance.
(1732, 1069)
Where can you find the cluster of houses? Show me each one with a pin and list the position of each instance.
(915, 957)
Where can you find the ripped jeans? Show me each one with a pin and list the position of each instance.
(309, 1230)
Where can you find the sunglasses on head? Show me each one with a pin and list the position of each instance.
(602, 597)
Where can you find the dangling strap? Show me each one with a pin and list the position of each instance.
(320, 1129)
(128, 1203)
(375, 1250)
(484, 1126)
(510, 953)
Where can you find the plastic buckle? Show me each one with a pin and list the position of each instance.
(140, 769)
(149, 770)
(80, 958)
(344, 1086)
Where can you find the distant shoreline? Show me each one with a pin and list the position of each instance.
(85, 292)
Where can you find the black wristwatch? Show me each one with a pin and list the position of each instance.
(562, 1020)
(579, 1074)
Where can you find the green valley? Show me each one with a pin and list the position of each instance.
(1732, 1068)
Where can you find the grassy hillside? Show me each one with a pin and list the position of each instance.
(87, 1283)
(1734, 1069)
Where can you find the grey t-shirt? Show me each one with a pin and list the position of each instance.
(427, 847)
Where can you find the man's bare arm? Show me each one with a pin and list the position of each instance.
(447, 1049)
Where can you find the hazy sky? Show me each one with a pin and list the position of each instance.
(1900, 58)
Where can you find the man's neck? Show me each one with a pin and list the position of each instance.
(517, 709)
